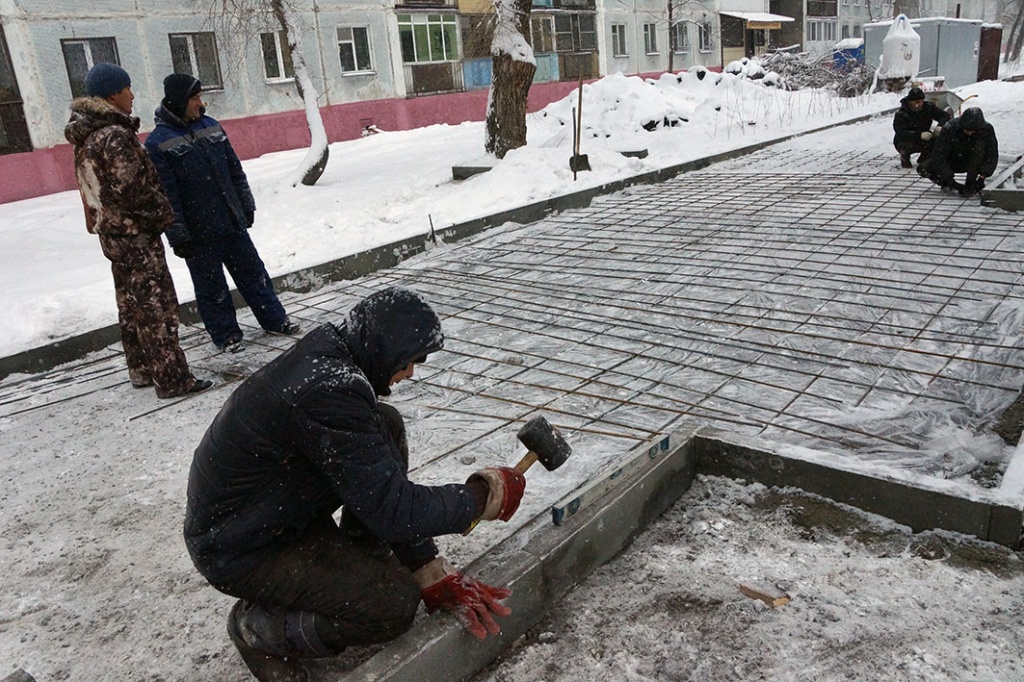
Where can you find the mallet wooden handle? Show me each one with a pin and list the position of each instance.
(526, 462)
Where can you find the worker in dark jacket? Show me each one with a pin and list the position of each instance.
(966, 145)
(913, 127)
(213, 209)
(305, 436)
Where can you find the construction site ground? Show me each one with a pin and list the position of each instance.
(815, 298)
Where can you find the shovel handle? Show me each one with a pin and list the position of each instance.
(526, 462)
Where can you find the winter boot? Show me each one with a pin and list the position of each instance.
(905, 161)
(272, 641)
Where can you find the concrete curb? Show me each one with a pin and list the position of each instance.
(542, 561)
(358, 265)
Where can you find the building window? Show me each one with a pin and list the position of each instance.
(846, 31)
(80, 55)
(354, 49)
(821, 31)
(428, 37)
(651, 38)
(277, 57)
(543, 34)
(705, 37)
(681, 37)
(575, 33)
(14, 135)
(619, 40)
(856, 30)
(196, 54)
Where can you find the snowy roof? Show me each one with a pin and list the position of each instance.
(763, 17)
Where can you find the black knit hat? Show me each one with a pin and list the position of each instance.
(106, 79)
(179, 88)
(915, 93)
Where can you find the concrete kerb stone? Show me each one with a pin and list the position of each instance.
(360, 264)
(919, 502)
(541, 562)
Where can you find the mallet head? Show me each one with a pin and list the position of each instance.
(545, 442)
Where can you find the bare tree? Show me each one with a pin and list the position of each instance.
(512, 69)
(1015, 41)
(245, 19)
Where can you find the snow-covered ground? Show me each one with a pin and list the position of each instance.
(98, 585)
(390, 186)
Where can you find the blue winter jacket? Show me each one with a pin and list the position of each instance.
(203, 179)
(304, 436)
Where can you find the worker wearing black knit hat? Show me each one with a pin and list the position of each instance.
(213, 210)
(913, 127)
(179, 88)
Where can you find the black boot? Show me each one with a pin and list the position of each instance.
(260, 636)
(905, 161)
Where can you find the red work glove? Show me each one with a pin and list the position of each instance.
(468, 599)
(505, 488)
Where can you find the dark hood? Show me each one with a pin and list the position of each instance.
(972, 119)
(389, 329)
(89, 114)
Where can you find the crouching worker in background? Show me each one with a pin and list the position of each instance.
(305, 436)
(913, 127)
(967, 145)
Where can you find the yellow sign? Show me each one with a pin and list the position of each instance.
(763, 24)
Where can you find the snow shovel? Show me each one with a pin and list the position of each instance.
(578, 162)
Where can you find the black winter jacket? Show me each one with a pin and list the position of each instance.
(957, 152)
(203, 179)
(304, 436)
(909, 124)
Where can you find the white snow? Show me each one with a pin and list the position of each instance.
(97, 584)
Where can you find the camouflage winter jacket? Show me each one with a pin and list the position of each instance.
(120, 188)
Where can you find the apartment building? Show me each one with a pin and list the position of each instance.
(394, 65)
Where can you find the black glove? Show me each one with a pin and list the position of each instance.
(183, 250)
(250, 216)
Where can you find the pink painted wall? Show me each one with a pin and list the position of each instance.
(46, 171)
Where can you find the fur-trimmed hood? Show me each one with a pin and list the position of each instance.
(89, 114)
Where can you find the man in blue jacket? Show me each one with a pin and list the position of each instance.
(305, 436)
(213, 209)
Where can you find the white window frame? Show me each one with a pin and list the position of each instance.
(681, 32)
(280, 48)
(650, 39)
(706, 37)
(619, 40)
(209, 74)
(352, 40)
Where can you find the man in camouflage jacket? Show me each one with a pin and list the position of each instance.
(126, 208)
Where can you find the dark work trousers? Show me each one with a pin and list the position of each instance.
(957, 164)
(238, 254)
(357, 590)
(919, 146)
(147, 311)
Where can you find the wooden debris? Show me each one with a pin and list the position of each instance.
(770, 595)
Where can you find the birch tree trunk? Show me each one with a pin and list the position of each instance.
(315, 161)
(512, 69)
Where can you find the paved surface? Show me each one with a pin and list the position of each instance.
(826, 300)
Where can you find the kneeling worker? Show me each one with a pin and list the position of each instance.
(967, 145)
(305, 436)
(912, 125)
